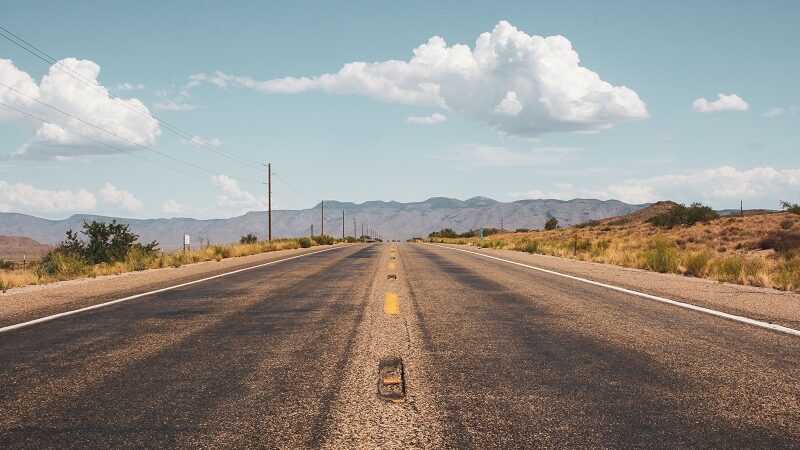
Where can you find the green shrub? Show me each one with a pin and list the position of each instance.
(138, 259)
(793, 208)
(729, 268)
(681, 215)
(662, 256)
(696, 263)
(324, 240)
(551, 224)
(530, 246)
(62, 265)
(305, 242)
(248, 238)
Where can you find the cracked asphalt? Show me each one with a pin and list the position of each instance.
(495, 356)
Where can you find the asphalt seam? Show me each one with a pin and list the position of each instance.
(713, 312)
(157, 291)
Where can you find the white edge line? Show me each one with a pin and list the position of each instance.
(157, 291)
(713, 312)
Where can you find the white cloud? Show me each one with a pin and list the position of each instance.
(483, 156)
(509, 106)
(197, 140)
(774, 112)
(127, 87)
(173, 207)
(120, 198)
(516, 83)
(92, 103)
(433, 119)
(724, 102)
(232, 198)
(25, 198)
(718, 186)
(175, 106)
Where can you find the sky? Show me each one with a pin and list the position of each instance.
(165, 109)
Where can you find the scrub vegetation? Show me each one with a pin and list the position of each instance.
(110, 249)
(757, 249)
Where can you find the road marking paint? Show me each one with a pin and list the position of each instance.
(713, 312)
(157, 291)
(391, 305)
(392, 266)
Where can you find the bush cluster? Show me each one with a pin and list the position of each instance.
(683, 215)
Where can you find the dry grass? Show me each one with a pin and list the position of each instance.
(136, 261)
(757, 250)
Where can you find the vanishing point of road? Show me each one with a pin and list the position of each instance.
(494, 355)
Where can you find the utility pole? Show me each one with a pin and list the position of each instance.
(269, 201)
(501, 223)
(322, 231)
(312, 230)
(342, 224)
(741, 208)
(362, 229)
(354, 228)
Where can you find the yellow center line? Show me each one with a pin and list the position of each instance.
(392, 266)
(391, 305)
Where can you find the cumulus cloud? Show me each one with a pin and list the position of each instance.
(197, 140)
(716, 186)
(91, 103)
(483, 156)
(724, 102)
(233, 198)
(515, 83)
(173, 207)
(25, 198)
(433, 119)
(119, 198)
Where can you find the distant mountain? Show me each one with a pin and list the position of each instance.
(393, 220)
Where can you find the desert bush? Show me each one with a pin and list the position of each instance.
(682, 215)
(662, 256)
(782, 241)
(305, 242)
(138, 259)
(786, 274)
(793, 208)
(530, 246)
(521, 230)
(248, 238)
(696, 263)
(5, 285)
(60, 264)
(786, 224)
(324, 240)
(729, 268)
(6, 265)
(551, 224)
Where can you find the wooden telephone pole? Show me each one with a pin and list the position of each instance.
(269, 201)
(322, 231)
(342, 224)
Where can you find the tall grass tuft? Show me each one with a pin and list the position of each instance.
(662, 256)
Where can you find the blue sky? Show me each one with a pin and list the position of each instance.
(639, 118)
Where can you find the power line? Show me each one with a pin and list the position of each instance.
(37, 52)
(105, 144)
(114, 134)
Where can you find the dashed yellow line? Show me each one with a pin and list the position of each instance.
(392, 266)
(391, 305)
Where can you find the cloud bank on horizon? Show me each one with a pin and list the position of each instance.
(517, 84)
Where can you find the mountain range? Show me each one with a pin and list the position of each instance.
(391, 220)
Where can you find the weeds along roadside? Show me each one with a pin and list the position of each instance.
(759, 250)
(63, 266)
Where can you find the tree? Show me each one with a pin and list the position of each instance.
(248, 238)
(551, 224)
(793, 208)
(104, 242)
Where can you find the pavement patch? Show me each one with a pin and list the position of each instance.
(391, 380)
(391, 276)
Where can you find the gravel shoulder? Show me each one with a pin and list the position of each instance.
(31, 302)
(769, 305)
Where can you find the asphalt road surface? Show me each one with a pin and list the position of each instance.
(494, 356)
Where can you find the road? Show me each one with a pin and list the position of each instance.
(495, 356)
